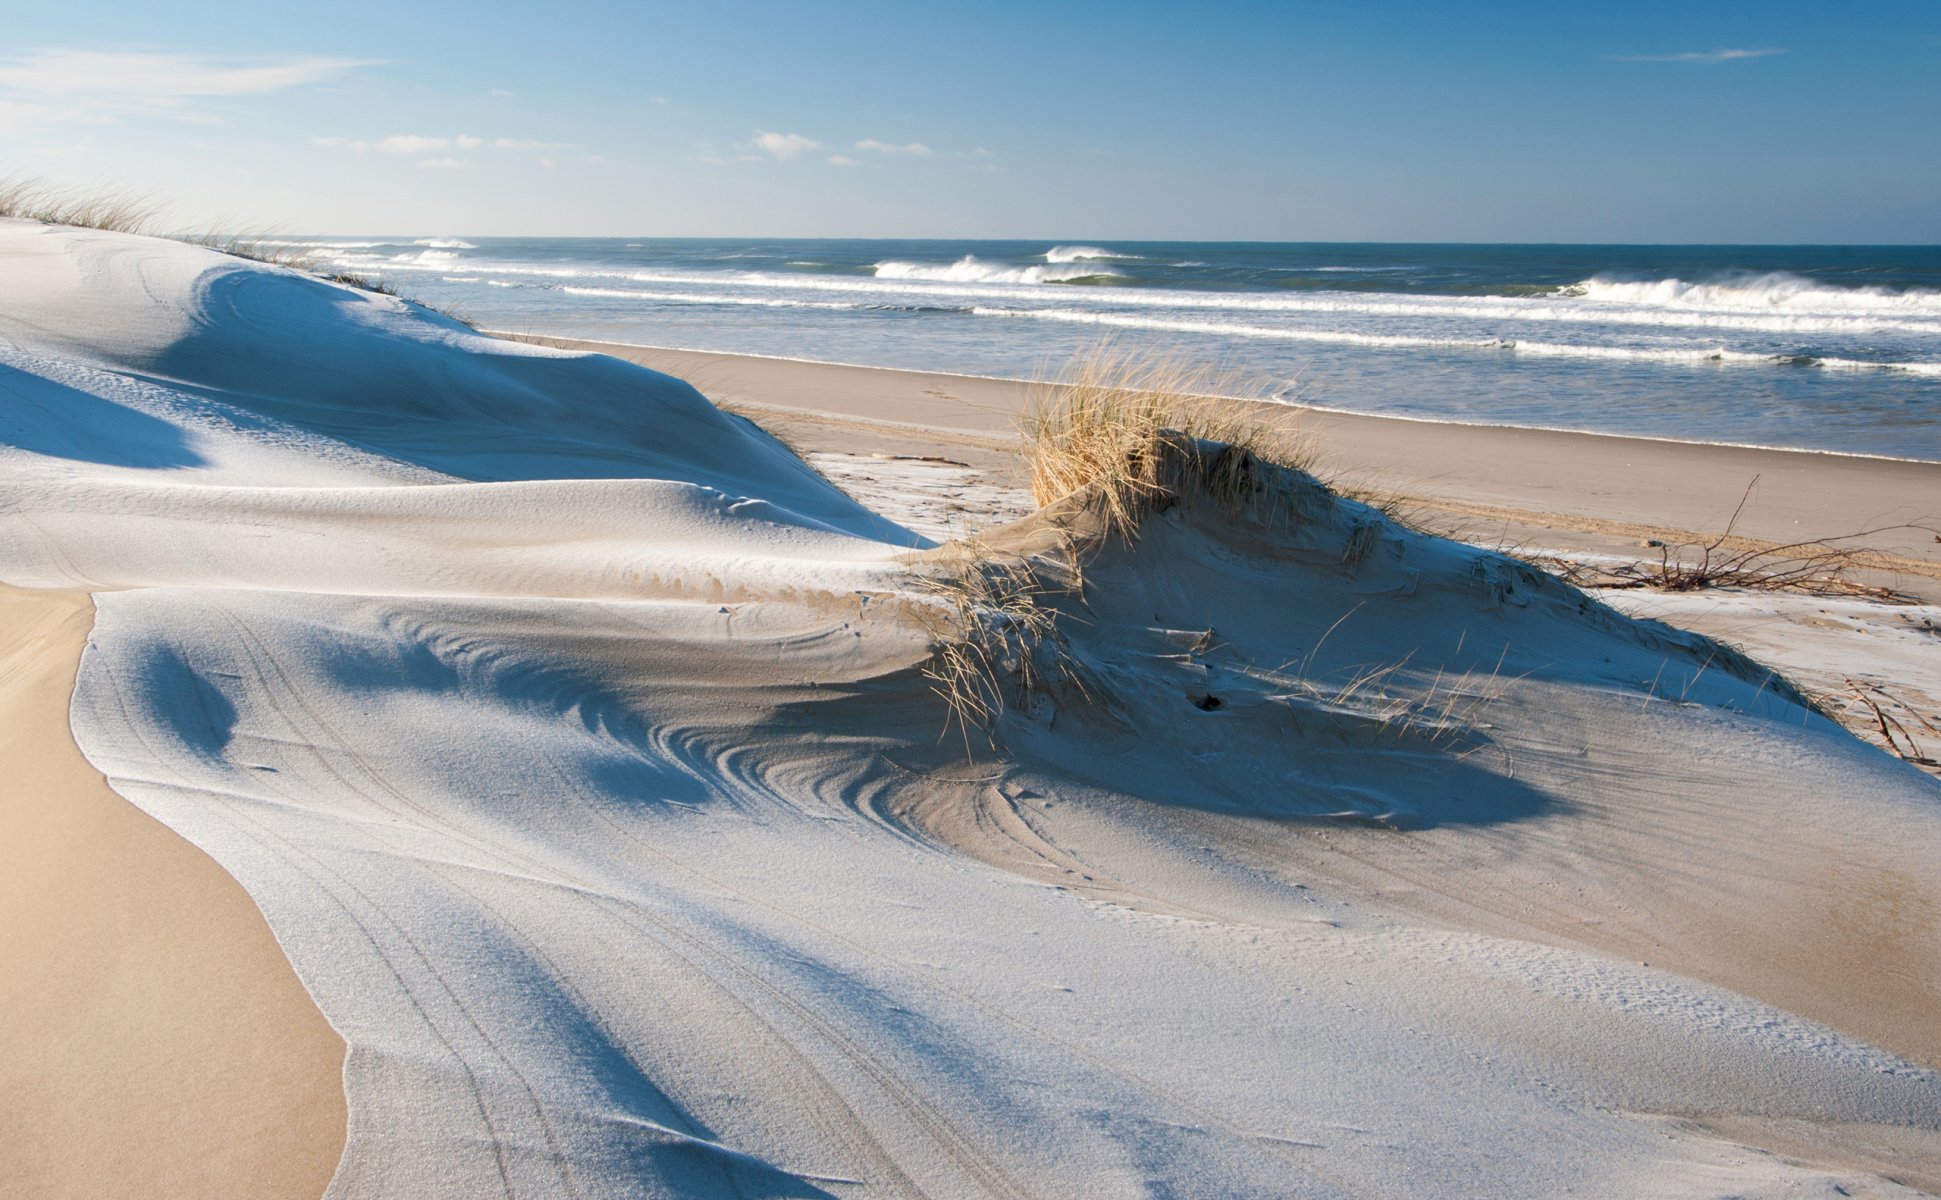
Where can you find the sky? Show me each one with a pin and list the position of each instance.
(1727, 122)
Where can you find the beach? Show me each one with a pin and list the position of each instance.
(154, 1030)
(1492, 485)
(483, 766)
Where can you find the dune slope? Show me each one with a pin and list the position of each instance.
(576, 743)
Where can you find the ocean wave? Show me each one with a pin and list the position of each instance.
(747, 301)
(437, 258)
(445, 243)
(708, 298)
(969, 269)
(312, 244)
(1071, 254)
(1930, 370)
(917, 286)
(995, 282)
(1110, 320)
(1773, 290)
(1688, 355)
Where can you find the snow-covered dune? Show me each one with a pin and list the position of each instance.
(575, 740)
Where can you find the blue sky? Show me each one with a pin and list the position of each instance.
(1690, 122)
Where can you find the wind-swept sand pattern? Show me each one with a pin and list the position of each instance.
(575, 741)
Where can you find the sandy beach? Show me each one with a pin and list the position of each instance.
(1488, 484)
(572, 755)
(156, 1041)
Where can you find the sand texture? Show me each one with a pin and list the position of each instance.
(580, 745)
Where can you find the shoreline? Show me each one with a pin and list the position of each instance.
(546, 338)
(1490, 484)
(154, 1028)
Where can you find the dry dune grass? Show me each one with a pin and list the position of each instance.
(117, 210)
(124, 210)
(1118, 436)
(1103, 426)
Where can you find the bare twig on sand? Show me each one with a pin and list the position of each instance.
(1882, 717)
(1817, 567)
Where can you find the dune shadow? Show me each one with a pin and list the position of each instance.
(43, 416)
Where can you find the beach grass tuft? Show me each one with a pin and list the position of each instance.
(123, 210)
(994, 635)
(113, 209)
(1135, 431)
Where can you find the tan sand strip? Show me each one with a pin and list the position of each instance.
(1575, 491)
(154, 1041)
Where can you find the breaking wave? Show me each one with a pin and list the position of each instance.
(970, 269)
(1774, 290)
(1069, 254)
(1691, 355)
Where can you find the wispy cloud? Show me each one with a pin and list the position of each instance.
(843, 160)
(1701, 56)
(415, 144)
(100, 86)
(444, 162)
(784, 146)
(915, 149)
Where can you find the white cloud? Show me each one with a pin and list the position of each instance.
(14, 116)
(444, 163)
(784, 146)
(1701, 56)
(101, 86)
(843, 160)
(915, 149)
(981, 152)
(419, 143)
(157, 76)
(499, 94)
(412, 143)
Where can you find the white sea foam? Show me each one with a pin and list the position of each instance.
(970, 269)
(445, 244)
(311, 244)
(705, 298)
(990, 281)
(1239, 329)
(1777, 289)
(427, 257)
(1692, 355)
(1793, 322)
(1931, 370)
(1069, 254)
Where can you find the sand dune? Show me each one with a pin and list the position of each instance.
(574, 739)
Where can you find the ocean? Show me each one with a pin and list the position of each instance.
(1834, 348)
